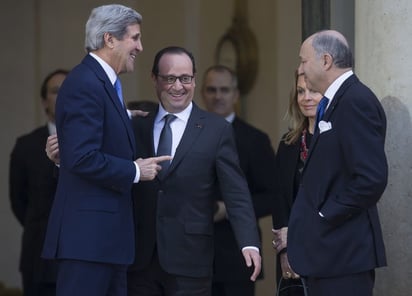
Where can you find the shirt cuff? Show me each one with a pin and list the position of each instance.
(137, 176)
(251, 248)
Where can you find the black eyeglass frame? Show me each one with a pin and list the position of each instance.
(171, 79)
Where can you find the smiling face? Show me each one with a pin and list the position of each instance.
(176, 96)
(124, 51)
(308, 100)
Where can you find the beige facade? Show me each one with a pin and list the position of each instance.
(42, 35)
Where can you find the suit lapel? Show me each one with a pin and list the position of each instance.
(143, 128)
(121, 110)
(328, 114)
(193, 129)
(102, 76)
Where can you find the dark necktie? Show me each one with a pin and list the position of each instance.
(118, 88)
(165, 142)
(321, 110)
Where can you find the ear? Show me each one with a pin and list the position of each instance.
(327, 61)
(45, 106)
(108, 40)
(154, 78)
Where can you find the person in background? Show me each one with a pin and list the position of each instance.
(290, 158)
(334, 234)
(91, 226)
(220, 95)
(32, 186)
(174, 212)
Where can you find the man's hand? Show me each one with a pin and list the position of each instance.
(287, 271)
(149, 167)
(280, 237)
(135, 113)
(253, 257)
(52, 149)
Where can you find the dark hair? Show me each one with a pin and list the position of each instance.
(222, 69)
(43, 89)
(171, 50)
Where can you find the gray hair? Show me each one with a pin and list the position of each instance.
(337, 47)
(113, 19)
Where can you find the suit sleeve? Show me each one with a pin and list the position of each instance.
(281, 203)
(18, 182)
(235, 192)
(261, 175)
(84, 131)
(362, 141)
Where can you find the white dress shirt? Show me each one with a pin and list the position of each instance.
(178, 126)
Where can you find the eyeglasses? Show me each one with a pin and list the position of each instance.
(170, 79)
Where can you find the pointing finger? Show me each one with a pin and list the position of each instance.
(161, 158)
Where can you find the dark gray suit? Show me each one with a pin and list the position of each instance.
(175, 214)
(257, 161)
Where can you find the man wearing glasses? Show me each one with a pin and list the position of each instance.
(174, 212)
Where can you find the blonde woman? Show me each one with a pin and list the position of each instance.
(290, 158)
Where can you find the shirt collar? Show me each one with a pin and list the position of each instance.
(230, 118)
(106, 67)
(183, 115)
(51, 127)
(333, 88)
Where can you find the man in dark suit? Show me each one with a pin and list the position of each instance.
(220, 95)
(334, 235)
(91, 228)
(174, 212)
(32, 185)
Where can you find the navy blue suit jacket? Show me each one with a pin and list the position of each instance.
(175, 214)
(92, 216)
(344, 177)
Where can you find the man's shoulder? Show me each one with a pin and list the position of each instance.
(82, 71)
(243, 127)
(198, 113)
(32, 141)
(37, 133)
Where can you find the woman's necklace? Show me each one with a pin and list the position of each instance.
(303, 147)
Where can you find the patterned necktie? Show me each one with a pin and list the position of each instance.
(321, 110)
(118, 88)
(165, 142)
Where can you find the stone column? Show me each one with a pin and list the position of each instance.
(383, 40)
